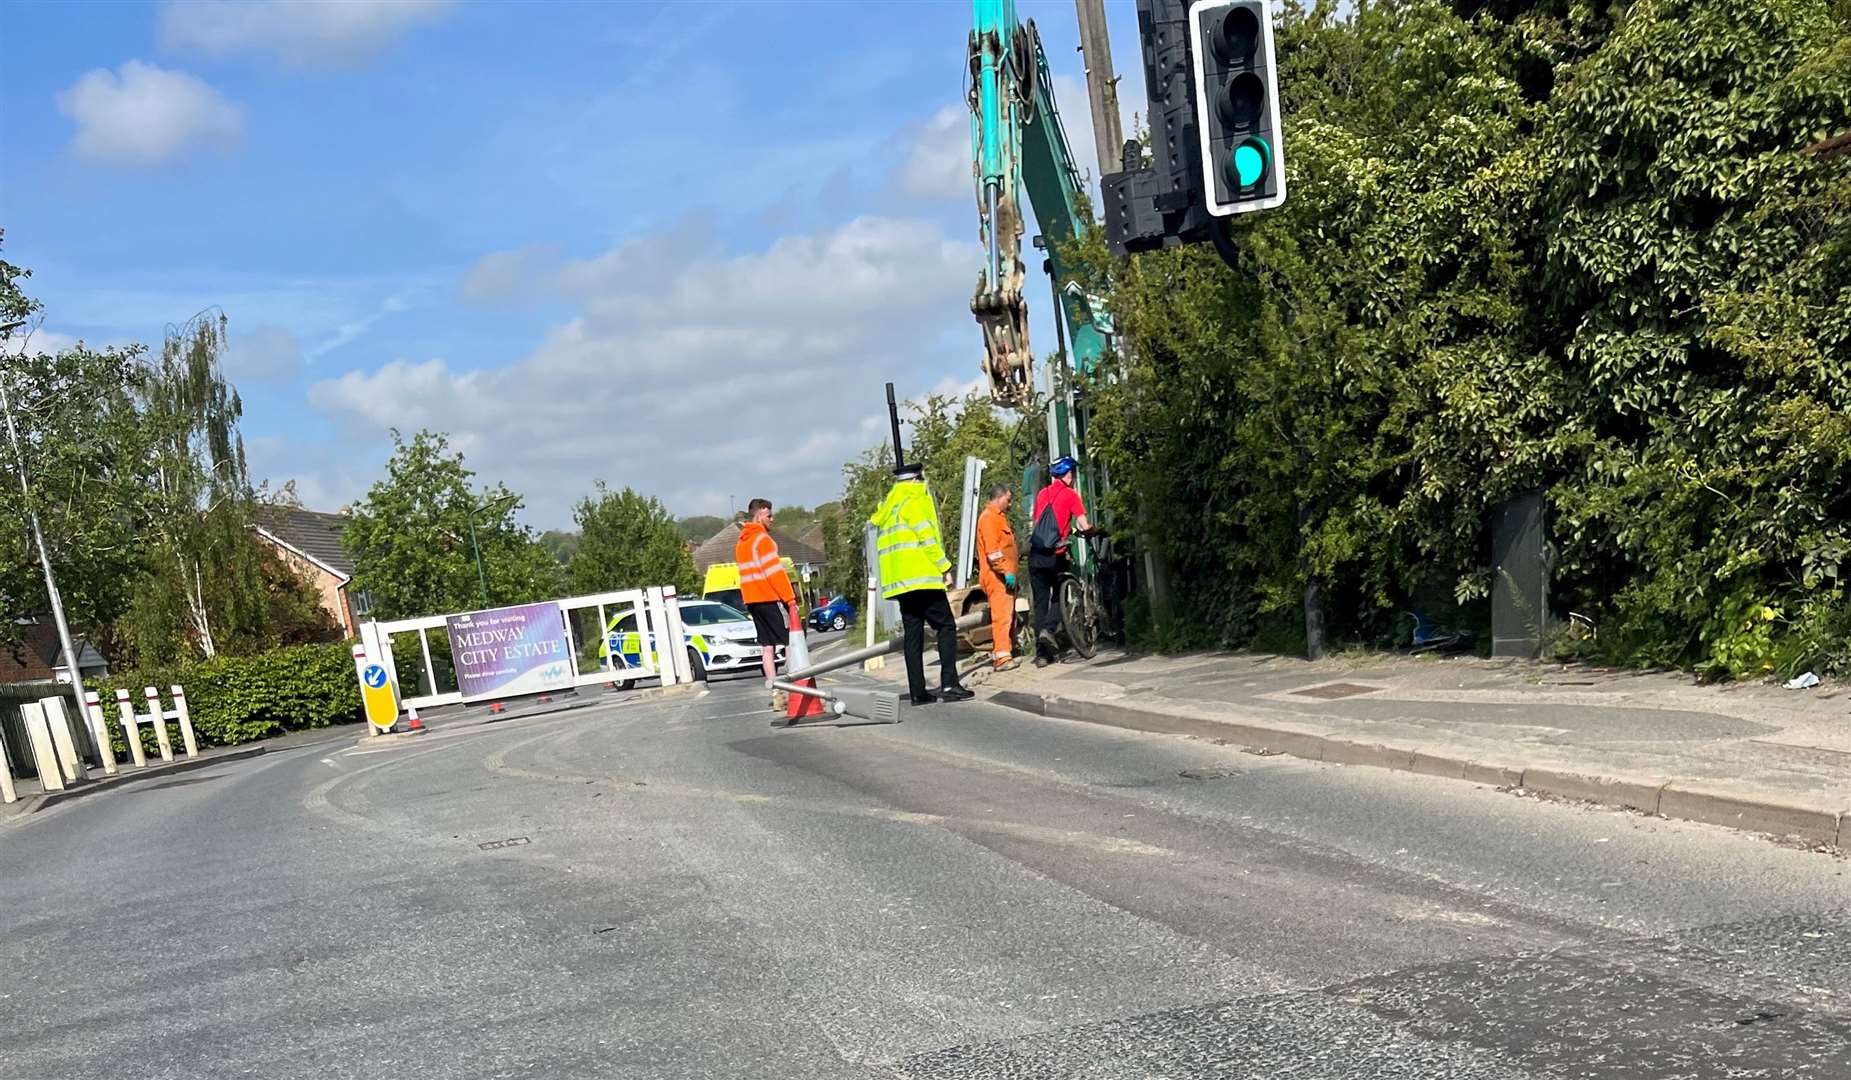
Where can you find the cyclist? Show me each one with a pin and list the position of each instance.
(1058, 510)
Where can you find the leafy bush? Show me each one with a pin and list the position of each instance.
(236, 699)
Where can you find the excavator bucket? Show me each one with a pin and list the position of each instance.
(1002, 315)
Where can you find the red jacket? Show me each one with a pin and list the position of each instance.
(761, 573)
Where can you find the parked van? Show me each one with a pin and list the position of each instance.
(723, 583)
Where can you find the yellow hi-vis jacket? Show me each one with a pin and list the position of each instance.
(912, 555)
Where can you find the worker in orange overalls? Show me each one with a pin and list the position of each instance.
(996, 562)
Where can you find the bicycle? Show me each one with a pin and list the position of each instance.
(1082, 610)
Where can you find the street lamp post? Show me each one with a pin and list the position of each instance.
(38, 540)
(481, 577)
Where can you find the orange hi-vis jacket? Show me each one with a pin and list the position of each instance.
(761, 575)
(996, 553)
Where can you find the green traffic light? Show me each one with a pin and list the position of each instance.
(1248, 163)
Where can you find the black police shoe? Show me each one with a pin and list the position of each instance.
(954, 693)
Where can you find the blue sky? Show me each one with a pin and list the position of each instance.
(678, 247)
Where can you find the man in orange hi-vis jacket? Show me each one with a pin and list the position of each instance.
(766, 589)
(996, 566)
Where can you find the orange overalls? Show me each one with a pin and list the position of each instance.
(996, 557)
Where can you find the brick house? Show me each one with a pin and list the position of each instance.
(310, 544)
(38, 658)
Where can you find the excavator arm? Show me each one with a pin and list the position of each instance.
(1017, 142)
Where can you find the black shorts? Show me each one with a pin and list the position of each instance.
(773, 621)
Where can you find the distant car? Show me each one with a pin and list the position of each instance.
(718, 637)
(835, 615)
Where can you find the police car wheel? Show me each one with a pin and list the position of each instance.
(697, 665)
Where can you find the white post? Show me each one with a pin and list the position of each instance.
(8, 793)
(871, 614)
(671, 614)
(359, 674)
(655, 622)
(99, 726)
(131, 731)
(59, 725)
(186, 721)
(971, 500)
(160, 724)
(378, 647)
(43, 755)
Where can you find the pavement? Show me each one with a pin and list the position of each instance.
(1752, 756)
(664, 886)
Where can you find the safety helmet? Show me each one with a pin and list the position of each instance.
(1062, 466)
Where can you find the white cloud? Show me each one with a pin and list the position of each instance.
(510, 276)
(264, 354)
(25, 340)
(938, 166)
(141, 115)
(715, 376)
(302, 33)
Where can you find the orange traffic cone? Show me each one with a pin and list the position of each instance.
(796, 658)
(804, 706)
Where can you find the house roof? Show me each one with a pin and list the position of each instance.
(814, 539)
(38, 654)
(719, 548)
(312, 535)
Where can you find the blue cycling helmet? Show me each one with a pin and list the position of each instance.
(1062, 466)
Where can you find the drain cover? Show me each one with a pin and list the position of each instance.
(1330, 691)
(512, 841)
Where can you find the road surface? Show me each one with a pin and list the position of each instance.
(666, 887)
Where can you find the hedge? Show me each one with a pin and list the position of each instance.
(237, 699)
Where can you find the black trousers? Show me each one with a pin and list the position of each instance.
(918, 609)
(1043, 574)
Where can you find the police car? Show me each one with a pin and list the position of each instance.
(718, 637)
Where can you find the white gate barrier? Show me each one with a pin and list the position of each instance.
(657, 618)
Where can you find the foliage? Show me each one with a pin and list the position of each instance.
(236, 699)
(410, 538)
(699, 527)
(627, 541)
(560, 544)
(1531, 246)
(138, 479)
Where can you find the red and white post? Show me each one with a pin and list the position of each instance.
(186, 721)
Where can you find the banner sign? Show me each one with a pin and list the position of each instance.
(509, 651)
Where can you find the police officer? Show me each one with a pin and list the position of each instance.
(915, 573)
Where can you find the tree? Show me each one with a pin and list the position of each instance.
(1548, 246)
(628, 541)
(204, 589)
(560, 544)
(699, 527)
(83, 447)
(410, 537)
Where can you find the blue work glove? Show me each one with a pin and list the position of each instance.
(1009, 581)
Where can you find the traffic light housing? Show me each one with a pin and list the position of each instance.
(1237, 105)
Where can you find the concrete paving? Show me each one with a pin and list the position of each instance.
(1755, 756)
(667, 887)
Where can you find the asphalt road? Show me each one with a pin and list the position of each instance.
(668, 888)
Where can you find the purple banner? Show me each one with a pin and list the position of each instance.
(511, 650)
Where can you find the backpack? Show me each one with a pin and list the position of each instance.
(1045, 540)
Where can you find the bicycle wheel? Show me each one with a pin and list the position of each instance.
(1079, 617)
